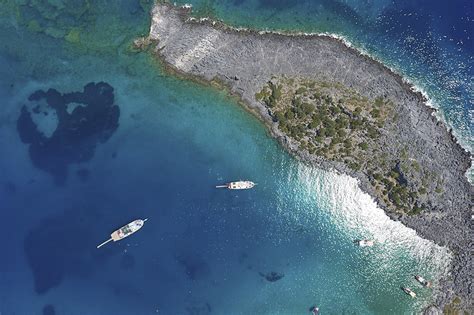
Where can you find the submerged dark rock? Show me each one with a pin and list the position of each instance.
(272, 276)
(83, 174)
(49, 310)
(199, 309)
(10, 187)
(77, 134)
(194, 266)
(58, 247)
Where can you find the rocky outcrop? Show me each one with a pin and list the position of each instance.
(244, 61)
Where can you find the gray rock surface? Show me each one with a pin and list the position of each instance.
(244, 61)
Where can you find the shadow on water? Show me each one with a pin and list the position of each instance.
(92, 121)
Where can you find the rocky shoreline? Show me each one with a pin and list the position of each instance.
(244, 61)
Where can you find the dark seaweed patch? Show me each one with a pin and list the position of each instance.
(58, 247)
(199, 309)
(271, 276)
(10, 187)
(127, 262)
(194, 266)
(77, 133)
(49, 310)
(83, 174)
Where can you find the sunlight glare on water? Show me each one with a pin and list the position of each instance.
(326, 201)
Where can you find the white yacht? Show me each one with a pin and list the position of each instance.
(365, 243)
(238, 185)
(409, 292)
(124, 231)
(423, 281)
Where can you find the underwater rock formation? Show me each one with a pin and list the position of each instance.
(93, 120)
(58, 247)
(83, 174)
(271, 276)
(10, 187)
(49, 310)
(194, 266)
(199, 309)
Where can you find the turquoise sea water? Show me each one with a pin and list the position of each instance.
(202, 249)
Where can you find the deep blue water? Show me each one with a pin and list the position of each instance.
(202, 250)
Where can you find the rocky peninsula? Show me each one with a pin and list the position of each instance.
(338, 109)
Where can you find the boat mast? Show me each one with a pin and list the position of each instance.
(99, 246)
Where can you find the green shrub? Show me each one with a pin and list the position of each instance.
(274, 96)
(307, 108)
(416, 210)
(354, 165)
(372, 132)
(377, 176)
(341, 133)
(330, 131)
(379, 101)
(314, 123)
(395, 199)
(355, 123)
(375, 113)
(363, 145)
(416, 166)
(347, 143)
(335, 110)
(394, 174)
(300, 90)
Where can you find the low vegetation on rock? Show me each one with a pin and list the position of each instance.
(336, 123)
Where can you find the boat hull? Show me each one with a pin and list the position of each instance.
(366, 243)
(240, 185)
(127, 230)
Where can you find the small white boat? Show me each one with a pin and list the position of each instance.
(314, 310)
(423, 281)
(238, 185)
(124, 231)
(365, 243)
(409, 292)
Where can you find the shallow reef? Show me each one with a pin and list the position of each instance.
(272, 276)
(49, 310)
(199, 309)
(194, 266)
(59, 247)
(92, 121)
